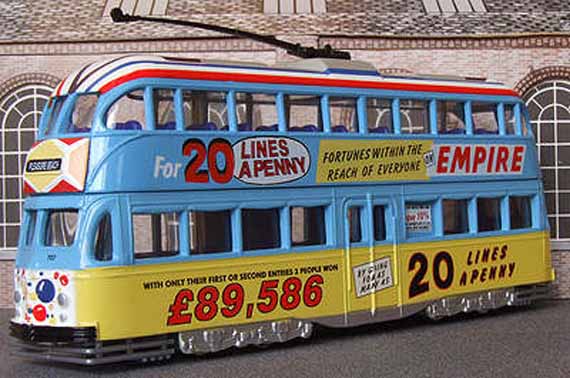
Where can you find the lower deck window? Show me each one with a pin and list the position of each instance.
(156, 235)
(520, 212)
(379, 222)
(210, 232)
(488, 214)
(455, 217)
(308, 226)
(260, 229)
(419, 218)
(61, 228)
(104, 240)
(355, 224)
(31, 229)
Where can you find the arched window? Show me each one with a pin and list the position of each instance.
(20, 110)
(549, 106)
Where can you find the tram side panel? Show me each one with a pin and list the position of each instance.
(434, 270)
(126, 302)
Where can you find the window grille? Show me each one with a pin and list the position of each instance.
(549, 107)
(20, 112)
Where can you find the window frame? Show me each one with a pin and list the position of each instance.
(365, 223)
(328, 219)
(153, 256)
(436, 217)
(504, 214)
(388, 224)
(46, 223)
(235, 240)
(281, 213)
(469, 218)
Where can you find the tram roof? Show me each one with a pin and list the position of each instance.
(102, 76)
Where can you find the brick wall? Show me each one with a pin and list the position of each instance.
(561, 263)
(495, 59)
(6, 283)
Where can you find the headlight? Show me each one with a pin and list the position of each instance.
(62, 318)
(62, 300)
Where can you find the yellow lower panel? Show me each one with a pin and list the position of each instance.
(441, 269)
(134, 301)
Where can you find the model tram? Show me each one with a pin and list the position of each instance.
(189, 205)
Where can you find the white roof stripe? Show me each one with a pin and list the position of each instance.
(98, 75)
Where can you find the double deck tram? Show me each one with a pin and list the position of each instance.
(193, 206)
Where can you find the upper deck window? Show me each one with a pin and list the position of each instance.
(205, 110)
(61, 228)
(82, 115)
(128, 112)
(303, 113)
(379, 114)
(343, 115)
(256, 112)
(54, 109)
(484, 118)
(414, 116)
(450, 117)
(163, 103)
(510, 119)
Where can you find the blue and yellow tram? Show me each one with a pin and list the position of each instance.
(194, 206)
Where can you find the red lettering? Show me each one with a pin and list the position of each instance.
(273, 148)
(244, 170)
(443, 159)
(300, 161)
(244, 154)
(518, 156)
(283, 147)
(461, 159)
(180, 305)
(260, 149)
(258, 166)
(480, 157)
(502, 159)
(490, 161)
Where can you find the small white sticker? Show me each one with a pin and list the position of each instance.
(418, 218)
(372, 277)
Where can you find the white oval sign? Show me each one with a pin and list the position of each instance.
(270, 160)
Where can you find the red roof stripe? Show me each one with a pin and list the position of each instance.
(329, 82)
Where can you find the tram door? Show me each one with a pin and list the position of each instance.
(369, 253)
(357, 253)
